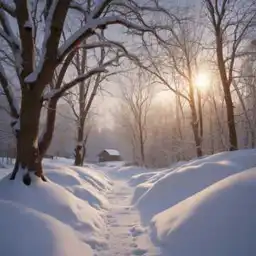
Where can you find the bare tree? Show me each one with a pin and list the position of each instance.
(37, 49)
(175, 62)
(231, 22)
(135, 104)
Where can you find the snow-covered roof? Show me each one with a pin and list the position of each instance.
(112, 152)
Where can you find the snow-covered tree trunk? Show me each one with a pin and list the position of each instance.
(35, 51)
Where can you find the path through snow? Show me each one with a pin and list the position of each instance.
(125, 235)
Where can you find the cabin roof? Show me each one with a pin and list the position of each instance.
(112, 152)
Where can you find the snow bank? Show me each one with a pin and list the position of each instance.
(86, 184)
(219, 220)
(4, 171)
(27, 232)
(126, 172)
(143, 177)
(190, 178)
(72, 202)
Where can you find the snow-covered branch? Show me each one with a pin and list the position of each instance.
(6, 32)
(10, 9)
(8, 93)
(59, 93)
(100, 7)
(91, 25)
(54, 22)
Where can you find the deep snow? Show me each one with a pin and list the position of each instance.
(69, 209)
(201, 207)
(176, 184)
(219, 220)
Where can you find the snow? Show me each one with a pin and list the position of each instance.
(219, 220)
(29, 232)
(13, 98)
(112, 152)
(67, 208)
(190, 178)
(28, 24)
(32, 77)
(204, 206)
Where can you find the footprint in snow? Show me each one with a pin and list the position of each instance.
(136, 231)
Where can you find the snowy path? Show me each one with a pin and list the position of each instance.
(125, 236)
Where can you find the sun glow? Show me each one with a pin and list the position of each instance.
(202, 81)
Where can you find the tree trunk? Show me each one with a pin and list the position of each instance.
(142, 153)
(194, 123)
(28, 155)
(46, 139)
(226, 82)
(231, 119)
(200, 114)
(79, 147)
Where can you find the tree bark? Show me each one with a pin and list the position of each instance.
(79, 150)
(231, 119)
(141, 140)
(50, 122)
(195, 122)
(28, 155)
(226, 82)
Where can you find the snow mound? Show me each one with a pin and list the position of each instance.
(86, 184)
(66, 198)
(140, 190)
(54, 200)
(219, 220)
(28, 232)
(190, 178)
(126, 172)
(142, 177)
(95, 177)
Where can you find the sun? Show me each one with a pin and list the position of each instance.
(202, 81)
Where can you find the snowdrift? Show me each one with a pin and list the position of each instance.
(127, 172)
(28, 232)
(190, 178)
(66, 212)
(219, 220)
(81, 182)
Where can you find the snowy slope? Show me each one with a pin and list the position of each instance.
(28, 232)
(190, 178)
(69, 207)
(219, 220)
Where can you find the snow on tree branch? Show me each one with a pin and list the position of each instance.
(59, 93)
(100, 6)
(12, 39)
(9, 8)
(54, 22)
(89, 28)
(8, 93)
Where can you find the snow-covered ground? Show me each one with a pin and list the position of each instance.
(202, 207)
(64, 216)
